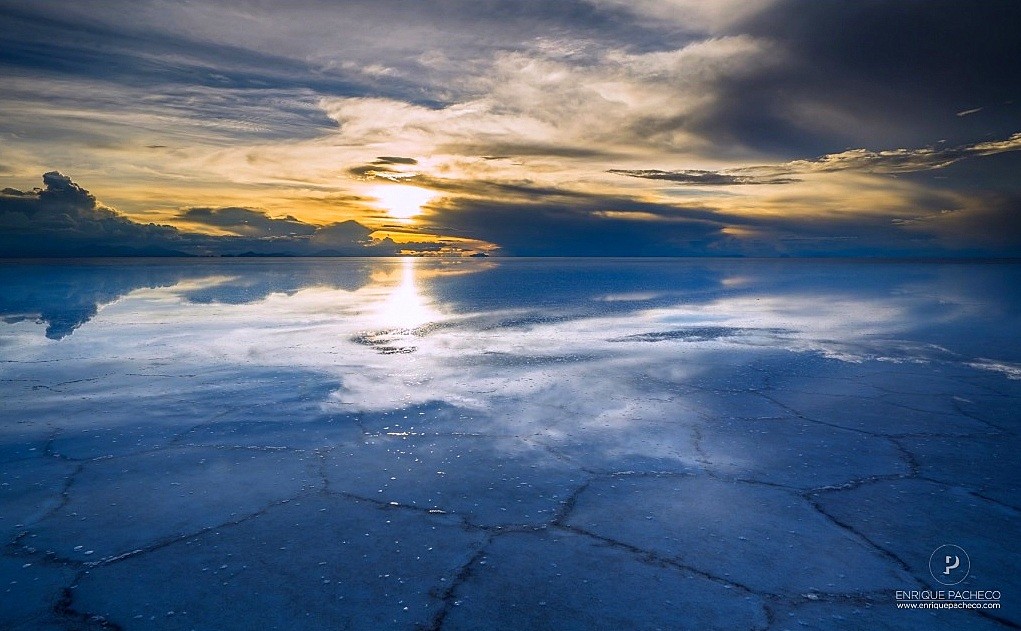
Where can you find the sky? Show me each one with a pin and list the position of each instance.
(511, 128)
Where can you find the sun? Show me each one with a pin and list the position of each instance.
(402, 202)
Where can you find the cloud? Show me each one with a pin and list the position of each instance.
(543, 102)
(731, 77)
(903, 160)
(336, 236)
(810, 220)
(724, 77)
(247, 222)
(876, 74)
(889, 161)
(269, 122)
(593, 227)
(63, 219)
(700, 177)
(394, 160)
(980, 225)
(383, 167)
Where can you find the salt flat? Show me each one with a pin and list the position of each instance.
(505, 444)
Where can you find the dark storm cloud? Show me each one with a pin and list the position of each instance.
(591, 226)
(558, 230)
(874, 73)
(607, 226)
(64, 219)
(987, 225)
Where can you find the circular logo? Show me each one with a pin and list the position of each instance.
(949, 564)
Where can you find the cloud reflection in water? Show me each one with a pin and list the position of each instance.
(465, 322)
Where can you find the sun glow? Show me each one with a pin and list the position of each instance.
(402, 202)
(406, 307)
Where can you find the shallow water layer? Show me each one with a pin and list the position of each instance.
(506, 444)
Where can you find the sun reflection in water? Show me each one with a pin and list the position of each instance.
(406, 307)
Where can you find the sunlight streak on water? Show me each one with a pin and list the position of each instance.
(407, 307)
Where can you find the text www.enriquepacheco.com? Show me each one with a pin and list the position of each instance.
(948, 605)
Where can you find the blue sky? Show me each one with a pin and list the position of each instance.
(595, 127)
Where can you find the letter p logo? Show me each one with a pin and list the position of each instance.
(949, 564)
(952, 566)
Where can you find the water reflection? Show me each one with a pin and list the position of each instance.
(848, 310)
(406, 307)
(64, 295)
(344, 317)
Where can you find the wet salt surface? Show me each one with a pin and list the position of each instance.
(412, 444)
